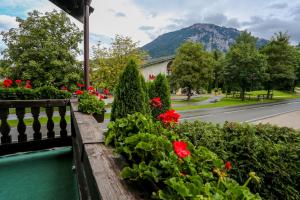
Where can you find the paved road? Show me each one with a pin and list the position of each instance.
(249, 113)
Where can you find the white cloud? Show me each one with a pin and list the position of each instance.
(7, 22)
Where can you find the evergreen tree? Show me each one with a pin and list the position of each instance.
(160, 88)
(129, 93)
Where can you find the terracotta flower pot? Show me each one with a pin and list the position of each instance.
(99, 117)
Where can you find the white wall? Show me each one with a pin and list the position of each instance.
(155, 69)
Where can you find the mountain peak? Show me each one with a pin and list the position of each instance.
(212, 37)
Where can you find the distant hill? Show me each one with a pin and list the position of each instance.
(210, 35)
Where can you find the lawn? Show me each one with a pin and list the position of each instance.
(278, 96)
(193, 100)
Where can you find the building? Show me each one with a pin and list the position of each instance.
(153, 67)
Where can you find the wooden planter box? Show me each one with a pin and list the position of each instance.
(98, 169)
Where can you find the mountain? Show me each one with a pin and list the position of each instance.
(211, 36)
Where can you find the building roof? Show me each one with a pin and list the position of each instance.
(74, 8)
(158, 60)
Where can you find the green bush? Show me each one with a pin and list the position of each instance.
(154, 166)
(160, 87)
(17, 94)
(272, 152)
(45, 92)
(50, 92)
(90, 104)
(129, 95)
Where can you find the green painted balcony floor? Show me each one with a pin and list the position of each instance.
(45, 175)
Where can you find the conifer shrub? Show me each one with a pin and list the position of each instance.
(160, 88)
(129, 95)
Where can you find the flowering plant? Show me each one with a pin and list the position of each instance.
(180, 149)
(80, 85)
(7, 83)
(156, 102)
(79, 92)
(171, 116)
(28, 84)
(18, 82)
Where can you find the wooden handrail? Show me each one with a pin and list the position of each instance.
(9, 146)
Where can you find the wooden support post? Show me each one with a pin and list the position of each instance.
(22, 137)
(86, 23)
(5, 128)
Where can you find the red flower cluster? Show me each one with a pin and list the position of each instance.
(79, 92)
(64, 88)
(156, 102)
(7, 83)
(106, 91)
(169, 117)
(152, 76)
(28, 84)
(18, 82)
(228, 165)
(180, 149)
(80, 85)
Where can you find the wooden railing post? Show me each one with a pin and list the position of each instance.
(50, 123)
(22, 137)
(63, 122)
(36, 125)
(5, 128)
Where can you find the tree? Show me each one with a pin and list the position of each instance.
(160, 88)
(5, 70)
(43, 48)
(192, 67)
(129, 93)
(245, 65)
(281, 59)
(108, 63)
(218, 68)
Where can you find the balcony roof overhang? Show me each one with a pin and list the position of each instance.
(75, 8)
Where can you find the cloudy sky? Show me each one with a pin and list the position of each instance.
(144, 20)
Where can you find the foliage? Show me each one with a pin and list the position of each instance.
(270, 151)
(45, 92)
(160, 88)
(108, 63)
(245, 64)
(50, 92)
(43, 48)
(90, 104)
(129, 94)
(218, 69)
(192, 67)
(18, 94)
(282, 61)
(169, 167)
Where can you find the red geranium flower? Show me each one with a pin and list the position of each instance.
(79, 92)
(180, 149)
(156, 102)
(7, 83)
(228, 165)
(18, 82)
(80, 85)
(151, 77)
(64, 88)
(28, 85)
(106, 91)
(91, 88)
(169, 117)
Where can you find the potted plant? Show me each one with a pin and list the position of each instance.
(93, 106)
